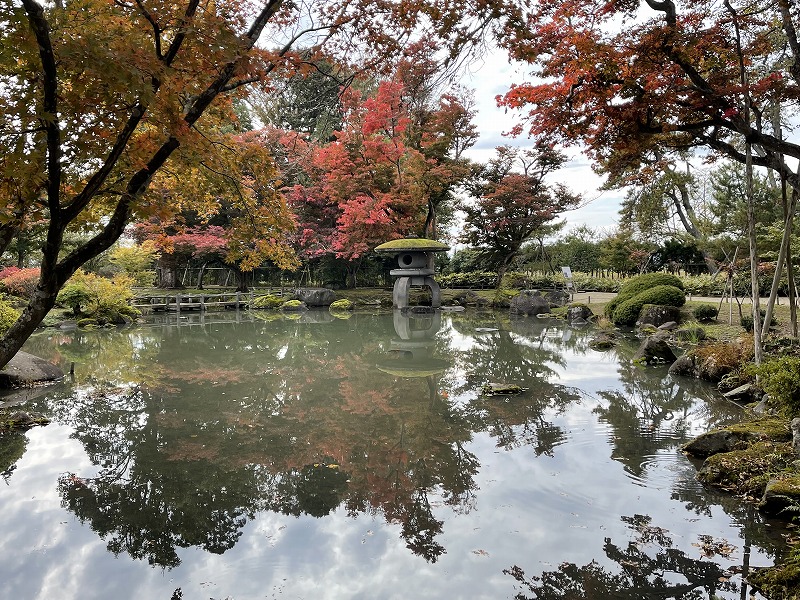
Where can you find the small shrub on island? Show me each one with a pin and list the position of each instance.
(780, 378)
(106, 301)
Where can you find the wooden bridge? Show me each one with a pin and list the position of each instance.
(182, 302)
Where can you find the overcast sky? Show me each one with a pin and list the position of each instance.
(494, 76)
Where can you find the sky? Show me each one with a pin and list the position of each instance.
(494, 75)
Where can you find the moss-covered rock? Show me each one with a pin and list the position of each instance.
(501, 389)
(267, 302)
(782, 495)
(603, 341)
(11, 420)
(342, 304)
(781, 582)
(747, 471)
(739, 436)
(292, 305)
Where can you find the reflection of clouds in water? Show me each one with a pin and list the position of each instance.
(531, 509)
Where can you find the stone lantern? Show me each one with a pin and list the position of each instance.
(415, 262)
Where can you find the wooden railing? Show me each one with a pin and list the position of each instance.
(193, 302)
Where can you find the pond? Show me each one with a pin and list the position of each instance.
(306, 456)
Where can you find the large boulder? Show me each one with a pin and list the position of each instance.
(316, 296)
(557, 298)
(26, 370)
(579, 314)
(656, 315)
(781, 495)
(684, 366)
(655, 349)
(529, 302)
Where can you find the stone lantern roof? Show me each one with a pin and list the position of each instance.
(412, 245)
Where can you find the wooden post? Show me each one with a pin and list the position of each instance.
(177, 304)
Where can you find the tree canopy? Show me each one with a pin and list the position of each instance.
(100, 101)
(636, 81)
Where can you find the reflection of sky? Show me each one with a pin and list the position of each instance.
(532, 511)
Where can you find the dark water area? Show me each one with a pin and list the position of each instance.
(307, 456)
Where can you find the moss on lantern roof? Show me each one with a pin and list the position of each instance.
(406, 244)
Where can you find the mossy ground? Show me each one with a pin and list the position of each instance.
(747, 472)
(778, 583)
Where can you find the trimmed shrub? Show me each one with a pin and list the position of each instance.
(628, 311)
(705, 312)
(8, 316)
(747, 320)
(469, 279)
(268, 301)
(642, 283)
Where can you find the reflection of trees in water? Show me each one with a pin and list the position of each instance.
(257, 428)
(12, 447)
(640, 572)
(518, 352)
(652, 413)
(219, 423)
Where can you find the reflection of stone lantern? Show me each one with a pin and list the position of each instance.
(415, 259)
(411, 354)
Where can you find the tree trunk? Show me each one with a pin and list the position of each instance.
(241, 281)
(788, 211)
(200, 276)
(751, 235)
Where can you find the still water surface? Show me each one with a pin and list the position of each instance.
(317, 457)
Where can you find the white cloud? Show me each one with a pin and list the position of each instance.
(493, 76)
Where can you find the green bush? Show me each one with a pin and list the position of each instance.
(268, 301)
(628, 311)
(103, 300)
(8, 316)
(747, 320)
(705, 312)
(642, 283)
(469, 279)
(780, 378)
